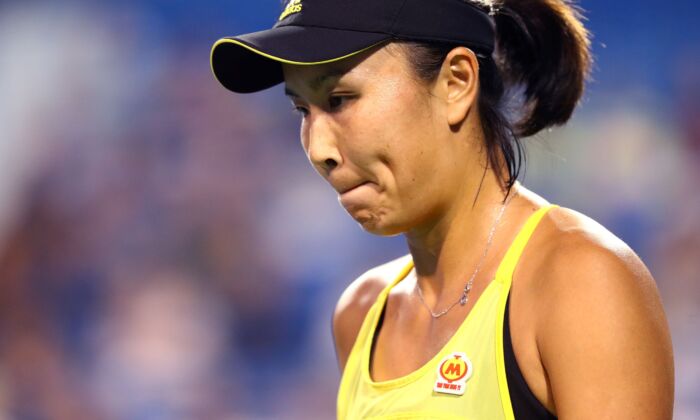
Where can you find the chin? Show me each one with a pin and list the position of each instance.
(377, 225)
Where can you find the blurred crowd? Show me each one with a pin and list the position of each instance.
(167, 253)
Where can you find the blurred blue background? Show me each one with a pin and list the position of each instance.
(166, 252)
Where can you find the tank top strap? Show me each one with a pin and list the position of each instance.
(400, 276)
(504, 274)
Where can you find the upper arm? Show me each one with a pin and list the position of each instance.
(355, 301)
(604, 339)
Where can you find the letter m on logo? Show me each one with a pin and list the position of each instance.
(453, 369)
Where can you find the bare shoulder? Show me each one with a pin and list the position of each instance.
(356, 300)
(576, 245)
(601, 325)
(587, 266)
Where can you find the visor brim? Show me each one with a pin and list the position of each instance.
(253, 62)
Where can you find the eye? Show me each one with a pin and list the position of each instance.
(297, 109)
(336, 102)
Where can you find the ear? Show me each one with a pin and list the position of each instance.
(460, 77)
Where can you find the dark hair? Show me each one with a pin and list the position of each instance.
(533, 80)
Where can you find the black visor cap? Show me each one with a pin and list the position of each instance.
(313, 32)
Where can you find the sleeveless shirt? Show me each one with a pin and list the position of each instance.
(466, 379)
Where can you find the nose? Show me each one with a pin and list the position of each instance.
(321, 144)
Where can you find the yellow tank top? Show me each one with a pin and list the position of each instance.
(466, 379)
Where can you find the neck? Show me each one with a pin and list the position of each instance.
(448, 248)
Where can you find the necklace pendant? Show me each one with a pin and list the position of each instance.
(463, 299)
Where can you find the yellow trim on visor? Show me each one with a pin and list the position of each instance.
(278, 59)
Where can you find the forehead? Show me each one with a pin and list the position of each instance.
(376, 62)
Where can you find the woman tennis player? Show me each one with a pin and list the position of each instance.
(507, 306)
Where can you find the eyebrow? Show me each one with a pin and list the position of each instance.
(318, 81)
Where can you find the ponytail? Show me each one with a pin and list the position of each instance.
(542, 48)
(542, 60)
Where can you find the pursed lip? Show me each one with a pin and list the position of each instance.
(346, 190)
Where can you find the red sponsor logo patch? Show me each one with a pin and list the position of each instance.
(453, 372)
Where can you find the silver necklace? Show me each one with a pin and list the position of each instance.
(465, 293)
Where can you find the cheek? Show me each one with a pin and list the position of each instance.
(410, 136)
(416, 155)
(393, 123)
